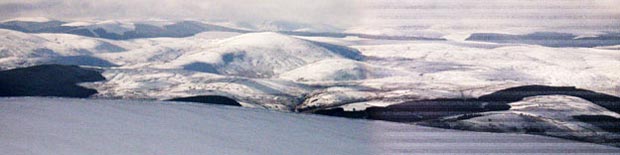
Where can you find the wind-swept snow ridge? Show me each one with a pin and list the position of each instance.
(73, 126)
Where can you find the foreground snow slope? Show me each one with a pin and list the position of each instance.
(76, 126)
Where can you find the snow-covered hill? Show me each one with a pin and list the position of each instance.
(115, 29)
(261, 55)
(304, 74)
(19, 49)
(299, 69)
(77, 126)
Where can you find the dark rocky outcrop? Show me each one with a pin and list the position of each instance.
(209, 99)
(48, 80)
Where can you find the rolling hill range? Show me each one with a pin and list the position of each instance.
(349, 76)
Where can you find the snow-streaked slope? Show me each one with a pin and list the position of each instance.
(156, 51)
(544, 115)
(262, 55)
(75, 126)
(25, 49)
(468, 70)
(172, 83)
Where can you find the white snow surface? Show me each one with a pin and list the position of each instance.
(258, 54)
(279, 71)
(82, 126)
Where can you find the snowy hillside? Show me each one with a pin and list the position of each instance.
(114, 29)
(310, 77)
(21, 50)
(556, 116)
(310, 74)
(325, 70)
(291, 70)
(77, 126)
(260, 55)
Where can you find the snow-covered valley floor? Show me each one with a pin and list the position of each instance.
(84, 126)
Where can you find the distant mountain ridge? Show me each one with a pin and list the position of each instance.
(116, 30)
(140, 30)
(549, 39)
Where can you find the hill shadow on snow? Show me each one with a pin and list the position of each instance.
(201, 67)
(343, 51)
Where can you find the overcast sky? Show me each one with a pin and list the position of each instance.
(586, 15)
(497, 15)
(308, 11)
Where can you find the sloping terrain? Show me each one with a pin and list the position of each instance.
(557, 115)
(114, 29)
(337, 70)
(23, 50)
(324, 74)
(261, 55)
(288, 70)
